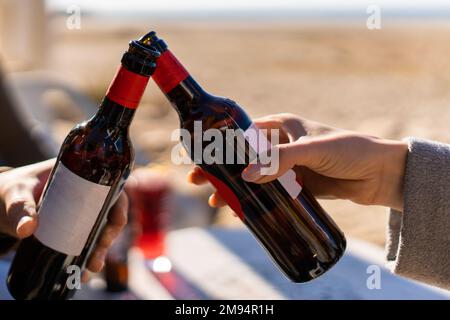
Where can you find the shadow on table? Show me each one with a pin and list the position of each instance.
(346, 280)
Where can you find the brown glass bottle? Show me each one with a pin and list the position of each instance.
(294, 229)
(116, 269)
(116, 262)
(91, 168)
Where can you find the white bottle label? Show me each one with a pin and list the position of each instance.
(259, 142)
(69, 211)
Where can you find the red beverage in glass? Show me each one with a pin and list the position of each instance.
(149, 196)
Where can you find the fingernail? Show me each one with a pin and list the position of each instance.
(21, 229)
(189, 176)
(252, 173)
(23, 221)
(211, 201)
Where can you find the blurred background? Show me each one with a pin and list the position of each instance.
(325, 60)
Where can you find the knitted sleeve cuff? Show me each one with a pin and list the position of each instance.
(418, 239)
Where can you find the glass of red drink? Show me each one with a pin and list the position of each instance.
(149, 194)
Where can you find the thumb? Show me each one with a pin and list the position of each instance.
(284, 157)
(21, 211)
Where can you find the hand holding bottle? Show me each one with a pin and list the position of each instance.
(332, 163)
(20, 190)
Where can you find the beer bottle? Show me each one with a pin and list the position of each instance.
(90, 171)
(286, 219)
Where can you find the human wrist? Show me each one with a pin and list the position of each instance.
(392, 173)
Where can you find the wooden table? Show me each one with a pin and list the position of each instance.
(229, 264)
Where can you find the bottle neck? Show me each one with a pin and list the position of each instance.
(175, 81)
(122, 98)
(114, 115)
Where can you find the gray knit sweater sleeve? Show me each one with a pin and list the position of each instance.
(418, 240)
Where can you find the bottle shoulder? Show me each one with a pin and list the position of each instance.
(90, 134)
(97, 153)
(216, 111)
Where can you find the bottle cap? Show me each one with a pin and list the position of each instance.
(151, 40)
(140, 59)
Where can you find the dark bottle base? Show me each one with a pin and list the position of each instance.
(46, 294)
(48, 282)
(302, 241)
(325, 267)
(39, 296)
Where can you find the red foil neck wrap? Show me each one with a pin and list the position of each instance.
(169, 72)
(127, 88)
